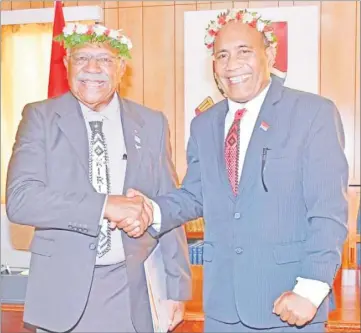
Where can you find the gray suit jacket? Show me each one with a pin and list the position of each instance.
(48, 187)
(289, 218)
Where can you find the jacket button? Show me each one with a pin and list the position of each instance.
(239, 250)
(92, 246)
(237, 216)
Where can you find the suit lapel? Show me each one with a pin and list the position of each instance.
(135, 140)
(218, 130)
(260, 139)
(71, 123)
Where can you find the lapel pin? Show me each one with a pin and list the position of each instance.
(137, 141)
(264, 126)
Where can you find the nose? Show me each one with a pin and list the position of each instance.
(233, 63)
(92, 66)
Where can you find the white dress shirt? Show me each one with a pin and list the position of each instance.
(313, 290)
(247, 123)
(113, 133)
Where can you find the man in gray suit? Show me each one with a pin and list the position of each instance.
(74, 158)
(267, 171)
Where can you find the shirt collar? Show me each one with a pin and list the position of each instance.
(254, 104)
(110, 112)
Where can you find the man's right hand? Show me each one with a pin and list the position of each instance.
(130, 214)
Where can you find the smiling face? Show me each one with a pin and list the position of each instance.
(94, 70)
(242, 61)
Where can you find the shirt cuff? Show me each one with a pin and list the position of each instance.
(103, 210)
(157, 216)
(315, 291)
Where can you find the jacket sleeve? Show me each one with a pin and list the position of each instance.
(29, 198)
(174, 243)
(184, 203)
(325, 191)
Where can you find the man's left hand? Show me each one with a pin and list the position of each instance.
(176, 311)
(294, 309)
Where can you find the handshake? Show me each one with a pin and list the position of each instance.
(132, 213)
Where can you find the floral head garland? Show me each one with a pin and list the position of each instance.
(78, 34)
(253, 19)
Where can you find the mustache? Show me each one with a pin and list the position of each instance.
(92, 77)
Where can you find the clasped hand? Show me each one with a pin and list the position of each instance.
(132, 213)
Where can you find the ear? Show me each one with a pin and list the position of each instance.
(271, 56)
(120, 70)
(122, 67)
(66, 61)
(218, 81)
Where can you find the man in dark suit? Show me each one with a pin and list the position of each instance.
(74, 158)
(267, 171)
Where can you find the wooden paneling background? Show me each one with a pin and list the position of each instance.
(155, 74)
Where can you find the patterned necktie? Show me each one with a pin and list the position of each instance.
(99, 177)
(231, 150)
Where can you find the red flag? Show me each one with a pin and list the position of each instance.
(58, 81)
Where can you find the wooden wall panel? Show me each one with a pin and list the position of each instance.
(258, 4)
(70, 3)
(130, 4)
(90, 3)
(203, 5)
(48, 4)
(285, 3)
(307, 3)
(338, 59)
(158, 3)
(5, 5)
(20, 4)
(110, 4)
(159, 64)
(240, 4)
(185, 3)
(111, 19)
(357, 138)
(36, 4)
(222, 5)
(131, 21)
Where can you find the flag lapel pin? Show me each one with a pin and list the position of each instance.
(264, 126)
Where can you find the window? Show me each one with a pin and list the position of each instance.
(25, 60)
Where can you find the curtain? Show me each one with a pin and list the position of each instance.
(25, 60)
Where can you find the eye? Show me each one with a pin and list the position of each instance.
(244, 51)
(221, 56)
(105, 60)
(80, 59)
